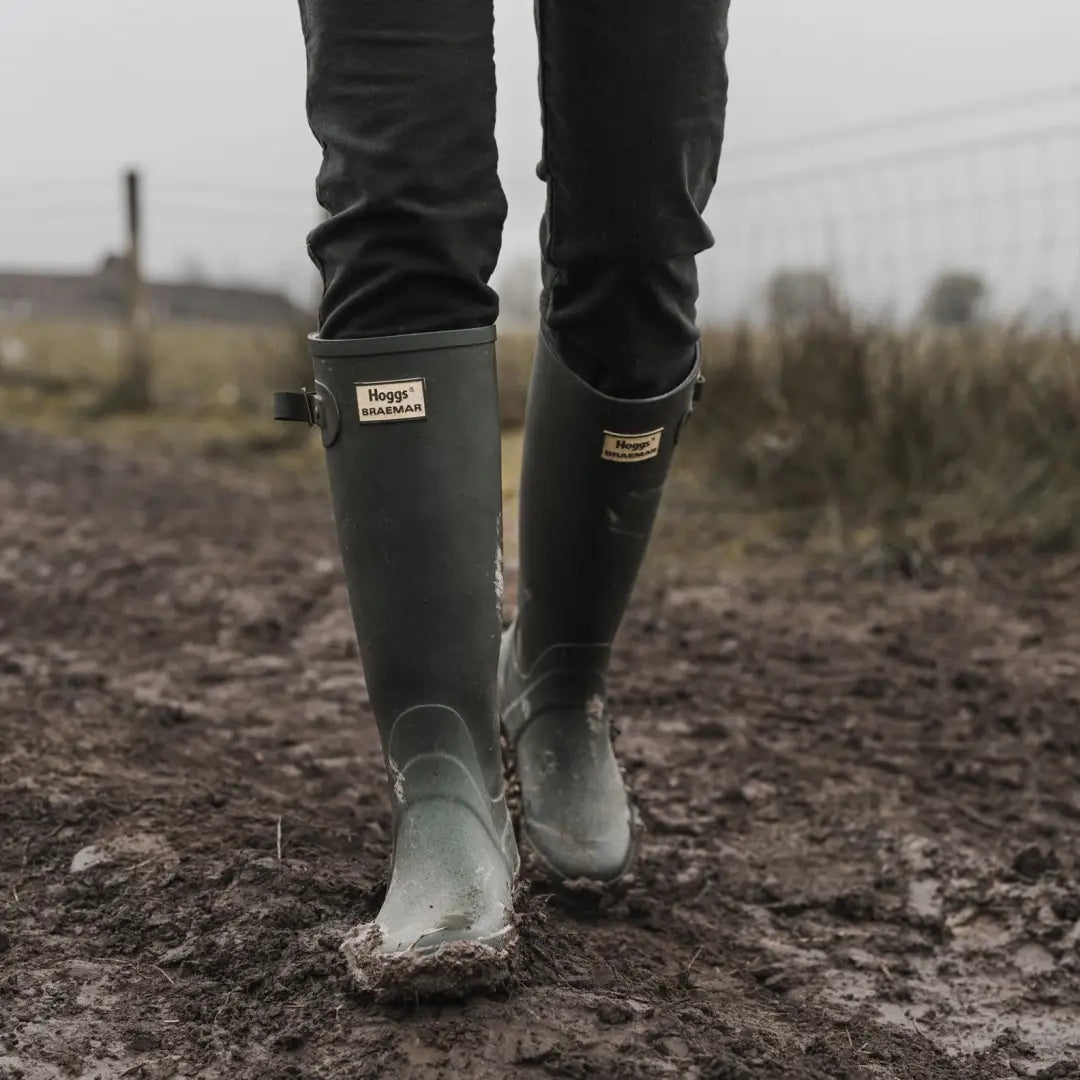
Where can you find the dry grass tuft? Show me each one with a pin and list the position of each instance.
(935, 437)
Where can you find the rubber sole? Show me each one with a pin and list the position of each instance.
(454, 969)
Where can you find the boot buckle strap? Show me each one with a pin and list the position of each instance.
(299, 405)
(316, 408)
(695, 397)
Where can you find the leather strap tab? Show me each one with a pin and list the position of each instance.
(295, 405)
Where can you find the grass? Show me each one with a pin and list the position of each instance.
(195, 365)
(199, 369)
(852, 433)
(844, 436)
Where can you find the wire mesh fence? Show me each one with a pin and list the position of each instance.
(990, 188)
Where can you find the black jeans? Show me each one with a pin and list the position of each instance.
(401, 96)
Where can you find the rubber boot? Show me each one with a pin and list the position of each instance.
(593, 471)
(411, 427)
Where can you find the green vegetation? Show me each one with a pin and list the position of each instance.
(846, 433)
(835, 435)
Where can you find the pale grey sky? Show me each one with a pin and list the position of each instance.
(207, 98)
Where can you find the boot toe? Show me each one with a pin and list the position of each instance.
(453, 968)
(447, 922)
(599, 858)
(576, 811)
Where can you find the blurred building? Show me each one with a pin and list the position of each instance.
(101, 295)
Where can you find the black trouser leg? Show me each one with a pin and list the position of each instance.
(401, 96)
(633, 95)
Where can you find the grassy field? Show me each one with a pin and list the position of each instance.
(846, 436)
(195, 366)
(922, 440)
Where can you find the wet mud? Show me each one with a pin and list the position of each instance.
(860, 792)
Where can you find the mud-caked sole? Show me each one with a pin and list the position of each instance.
(453, 969)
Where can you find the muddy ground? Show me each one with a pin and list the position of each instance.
(862, 792)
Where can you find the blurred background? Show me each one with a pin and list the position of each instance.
(890, 310)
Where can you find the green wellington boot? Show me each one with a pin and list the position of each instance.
(592, 475)
(411, 429)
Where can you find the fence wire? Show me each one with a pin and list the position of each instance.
(988, 188)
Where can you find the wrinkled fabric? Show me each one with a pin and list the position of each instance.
(401, 96)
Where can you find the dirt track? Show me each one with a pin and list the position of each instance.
(863, 797)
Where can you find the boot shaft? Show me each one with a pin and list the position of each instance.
(593, 472)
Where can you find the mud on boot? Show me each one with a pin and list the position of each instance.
(593, 472)
(411, 430)
(578, 820)
(447, 923)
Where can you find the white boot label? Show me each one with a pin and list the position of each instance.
(383, 401)
(631, 447)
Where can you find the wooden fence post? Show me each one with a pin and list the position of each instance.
(131, 391)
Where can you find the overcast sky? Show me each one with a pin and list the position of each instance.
(207, 98)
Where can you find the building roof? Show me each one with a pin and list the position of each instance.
(101, 295)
